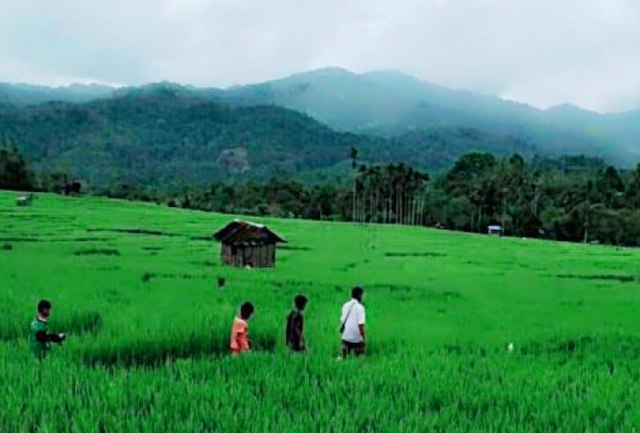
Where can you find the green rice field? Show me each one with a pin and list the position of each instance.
(135, 286)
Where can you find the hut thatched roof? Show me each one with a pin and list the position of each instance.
(247, 233)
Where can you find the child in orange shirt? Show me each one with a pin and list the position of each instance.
(239, 341)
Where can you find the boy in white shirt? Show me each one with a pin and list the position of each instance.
(352, 322)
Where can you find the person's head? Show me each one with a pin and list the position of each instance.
(246, 310)
(357, 292)
(300, 302)
(44, 308)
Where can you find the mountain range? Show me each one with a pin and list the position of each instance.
(388, 103)
(302, 123)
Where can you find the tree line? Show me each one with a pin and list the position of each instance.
(14, 173)
(570, 198)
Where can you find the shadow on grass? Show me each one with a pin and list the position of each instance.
(166, 349)
(135, 231)
(586, 346)
(602, 277)
(401, 291)
(98, 252)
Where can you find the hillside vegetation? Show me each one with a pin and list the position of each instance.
(164, 135)
(26, 94)
(388, 103)
(429, 125)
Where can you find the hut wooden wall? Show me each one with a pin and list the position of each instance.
(226, 255)
(271, 255)
(257, 256)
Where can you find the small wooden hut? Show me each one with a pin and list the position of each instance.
(248, 244)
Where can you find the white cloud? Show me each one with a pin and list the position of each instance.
(543, 52)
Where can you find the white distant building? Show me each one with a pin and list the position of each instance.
(495, 230)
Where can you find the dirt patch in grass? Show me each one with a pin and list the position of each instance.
(422, 254)
(98, 252)
(600, 277)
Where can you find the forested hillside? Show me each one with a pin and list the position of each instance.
(388, 103)
(168, 135)
(393, 105)
(162, 135)
(26, 94)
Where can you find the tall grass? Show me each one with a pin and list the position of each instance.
(148, 346)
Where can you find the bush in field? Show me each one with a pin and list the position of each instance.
(147, 276)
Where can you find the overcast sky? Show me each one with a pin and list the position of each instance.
(542, 52)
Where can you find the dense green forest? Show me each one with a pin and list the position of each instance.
(27, 94)
(568, 198)
(162, 136)
(14, 172)
(167, 136)
(390, 104)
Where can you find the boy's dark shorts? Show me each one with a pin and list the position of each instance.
(355, 348)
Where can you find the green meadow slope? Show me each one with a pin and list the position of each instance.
(135, 287)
